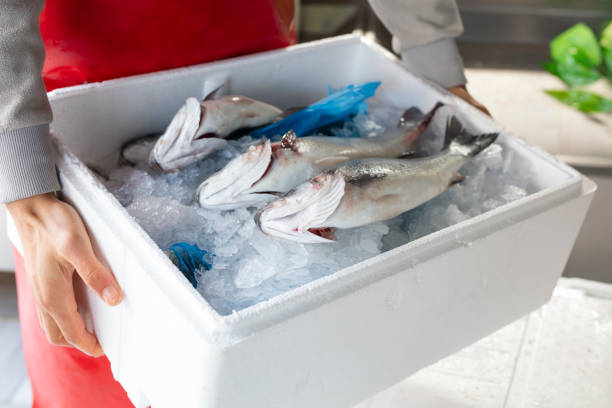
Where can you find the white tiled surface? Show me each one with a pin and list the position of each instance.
(559, 356)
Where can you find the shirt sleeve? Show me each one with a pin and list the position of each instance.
(424, 33)
(26, 162)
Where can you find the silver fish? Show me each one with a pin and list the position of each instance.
(199, 129)
(369, 190)
(267, 169)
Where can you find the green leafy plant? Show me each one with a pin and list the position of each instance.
(585, 101)
(606, 44)
(579, 59)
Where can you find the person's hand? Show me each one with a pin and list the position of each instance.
(462, 92)
(56, 244)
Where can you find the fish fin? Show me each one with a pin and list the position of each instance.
(456, 179)
(424, 123)
(478, 143)
(213, 94)
(330, 161)
(410, 116)
(454, 128)
(415, 118)
(414, 130)
(460, 140)
(330, 189)
(289, 140)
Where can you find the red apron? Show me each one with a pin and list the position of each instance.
(94, 40)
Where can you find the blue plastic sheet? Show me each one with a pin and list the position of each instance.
(190, 260)
(337, 106)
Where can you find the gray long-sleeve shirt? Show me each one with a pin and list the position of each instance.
(424, 31)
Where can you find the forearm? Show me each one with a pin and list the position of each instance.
(425, 32)
(26, 164)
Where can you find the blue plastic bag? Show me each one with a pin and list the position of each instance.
(338, 105)
(190, 260)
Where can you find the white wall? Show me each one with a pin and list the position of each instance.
(6, 252)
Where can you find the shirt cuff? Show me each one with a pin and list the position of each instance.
(439, 62)
(26, 163)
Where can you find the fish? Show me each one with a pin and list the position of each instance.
(364, 191)
(199, 129)
(266, 170)
(137, 151)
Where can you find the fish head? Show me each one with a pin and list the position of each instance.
(302, 215)
(229, 187)
(185, 141)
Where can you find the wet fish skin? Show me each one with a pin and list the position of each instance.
(295, 160)
(200, 128)
(368, 190)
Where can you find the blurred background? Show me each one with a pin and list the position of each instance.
(498, 33)
(504, 46)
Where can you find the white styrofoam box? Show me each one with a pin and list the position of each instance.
(336, 340)
(6, 250)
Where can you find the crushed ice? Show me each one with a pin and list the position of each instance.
(250, 267)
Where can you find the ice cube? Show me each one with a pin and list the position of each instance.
(454, 215)
(491, 204)
(492, 156)
(513, 193)
(252, 273)
(369, 245)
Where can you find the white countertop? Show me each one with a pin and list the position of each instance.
(516, 99)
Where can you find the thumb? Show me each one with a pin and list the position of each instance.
(94, 273)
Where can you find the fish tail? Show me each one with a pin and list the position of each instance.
(417, 123)
(426, 120)
(460, 140)
(415, 117)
